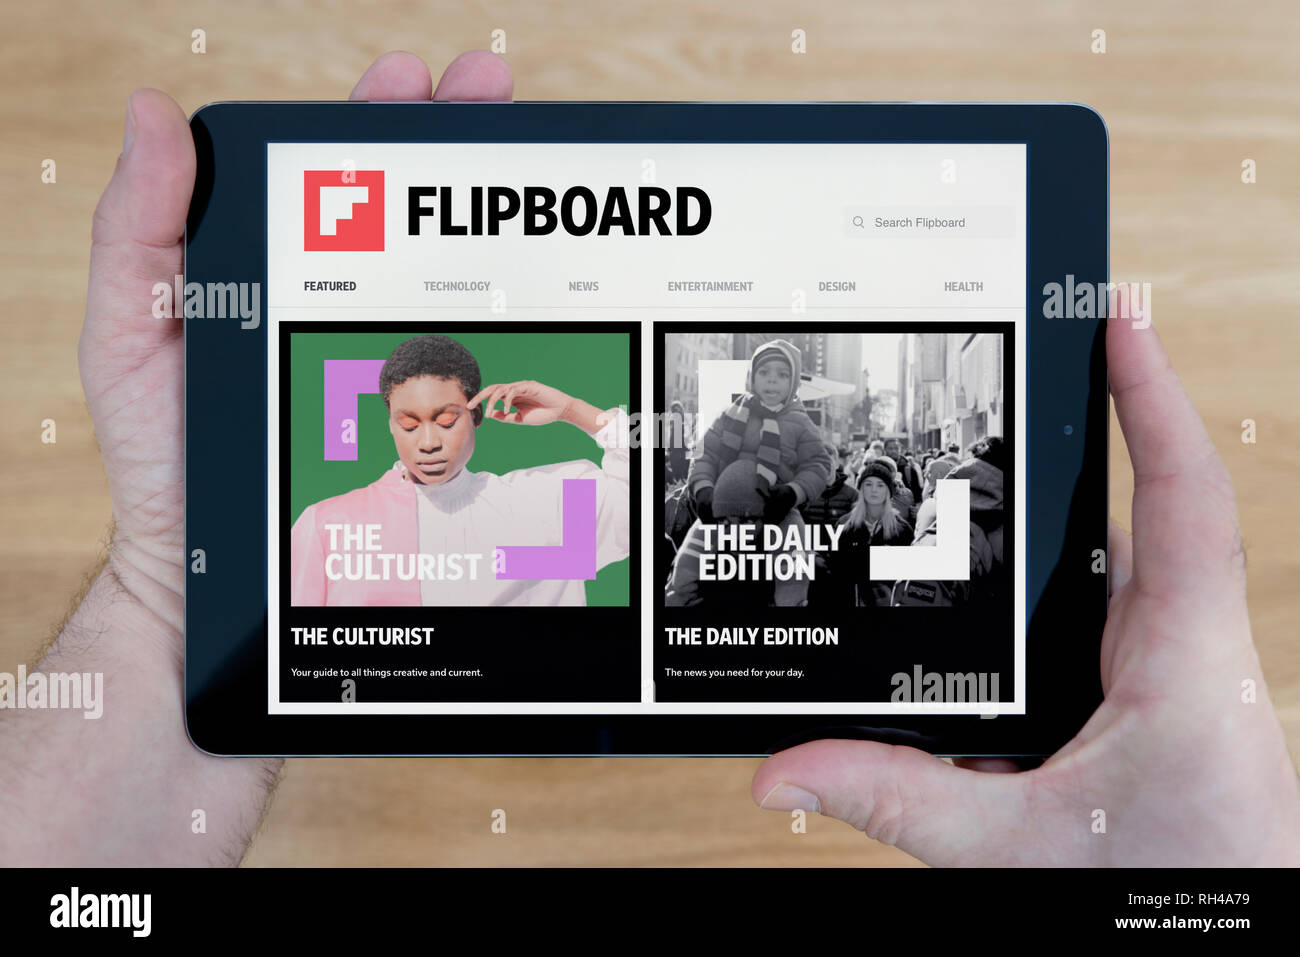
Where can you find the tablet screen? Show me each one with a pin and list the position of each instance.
(755, 444)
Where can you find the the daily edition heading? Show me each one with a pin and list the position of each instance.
(580, 211)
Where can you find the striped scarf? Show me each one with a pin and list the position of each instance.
(726, 448)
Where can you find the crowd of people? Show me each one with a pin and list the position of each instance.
(763, 461)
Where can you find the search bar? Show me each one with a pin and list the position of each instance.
(930, 222)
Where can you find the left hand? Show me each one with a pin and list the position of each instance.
(136, 774)
(535, 403)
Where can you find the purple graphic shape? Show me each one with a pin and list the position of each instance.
(345, 379)
(575, 559)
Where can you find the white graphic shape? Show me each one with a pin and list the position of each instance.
(949, 559)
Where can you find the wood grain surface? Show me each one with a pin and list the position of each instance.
(1188, 90)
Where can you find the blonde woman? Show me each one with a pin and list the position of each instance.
(873, 520)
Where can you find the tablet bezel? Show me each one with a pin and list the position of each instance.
(1067, 484)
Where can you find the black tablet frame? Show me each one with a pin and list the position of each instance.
(1067, 498)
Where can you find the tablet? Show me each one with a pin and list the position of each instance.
(644, 428)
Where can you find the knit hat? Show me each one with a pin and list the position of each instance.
(764, 356)
(881, 467)
(782, 349)
(938, 468)
(736, 495)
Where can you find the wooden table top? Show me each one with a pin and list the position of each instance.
(1188, 90)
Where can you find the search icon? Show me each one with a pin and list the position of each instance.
(857, 221)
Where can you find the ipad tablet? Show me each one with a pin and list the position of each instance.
(644, 428)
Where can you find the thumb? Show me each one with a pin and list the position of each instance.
(1184, 510)
(941, 814)
(137, 236)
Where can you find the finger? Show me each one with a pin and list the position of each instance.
(476, 75)
(1163, 431)
(938, 813)
(138, 230)
(394, 76)
(493, 397)
(482, 394)
(485, 397)
(1184, 512)
(509, 401)
(498, 397)
(1119, 554)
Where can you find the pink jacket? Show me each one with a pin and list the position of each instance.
(388, 501)
(482, 510)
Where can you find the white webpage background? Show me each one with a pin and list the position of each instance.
(782, 217)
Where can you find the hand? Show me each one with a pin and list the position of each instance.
(118, 793)
(537, 404)
(704, 504)
(777, 503)
(1185, 771)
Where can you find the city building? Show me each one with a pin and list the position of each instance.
(844, 364)
(950, 388)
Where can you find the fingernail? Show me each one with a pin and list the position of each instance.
(789, 797)
(129, 133)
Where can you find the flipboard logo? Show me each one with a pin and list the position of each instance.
(343, 210)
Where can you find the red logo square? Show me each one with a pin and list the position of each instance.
(343, 210)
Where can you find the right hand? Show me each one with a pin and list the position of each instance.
(1187, 768)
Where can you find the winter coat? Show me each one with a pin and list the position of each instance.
(988, 576)
(849, 571)
(738, 433)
